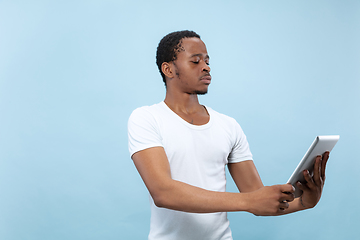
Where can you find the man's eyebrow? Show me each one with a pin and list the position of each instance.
(200, 55)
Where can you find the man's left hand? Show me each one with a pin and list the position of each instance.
(313, 187)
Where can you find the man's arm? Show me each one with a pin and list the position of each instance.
(245, 176)
(154, 168)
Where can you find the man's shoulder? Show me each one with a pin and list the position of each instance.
(148, 115)
(147, 110)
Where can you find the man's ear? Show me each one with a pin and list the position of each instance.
(167, 69)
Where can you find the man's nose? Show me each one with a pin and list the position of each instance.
(206, 68)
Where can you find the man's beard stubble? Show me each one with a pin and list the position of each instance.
(200, 92)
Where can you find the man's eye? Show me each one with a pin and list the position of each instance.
(195, 62)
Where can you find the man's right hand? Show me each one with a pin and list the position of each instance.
(270, 200)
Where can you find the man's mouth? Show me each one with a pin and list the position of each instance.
(206, 79)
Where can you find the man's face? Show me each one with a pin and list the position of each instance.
(192, 67)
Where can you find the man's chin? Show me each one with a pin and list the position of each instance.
(201, 92)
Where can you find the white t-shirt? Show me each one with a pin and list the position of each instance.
(197, 156)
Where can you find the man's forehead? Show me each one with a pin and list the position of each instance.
(194, 47)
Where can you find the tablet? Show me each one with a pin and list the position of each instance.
(320, 145)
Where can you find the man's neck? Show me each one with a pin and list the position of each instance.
(185, 103)
(187, 107)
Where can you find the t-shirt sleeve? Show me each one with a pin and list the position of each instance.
(241, 150)
(143, 131)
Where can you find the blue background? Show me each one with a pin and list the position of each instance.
(71, 72)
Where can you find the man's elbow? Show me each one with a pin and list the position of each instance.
(161, 200)
(163, 196)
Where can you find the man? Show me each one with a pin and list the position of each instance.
(181, 148)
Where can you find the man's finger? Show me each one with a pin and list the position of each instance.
(317, 170)
(284, 205)
(309, 180)
(323, 164)
(287, 188)
(287, 197)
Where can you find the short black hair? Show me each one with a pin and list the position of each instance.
(170, 46)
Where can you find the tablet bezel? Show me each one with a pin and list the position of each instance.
(320, 145)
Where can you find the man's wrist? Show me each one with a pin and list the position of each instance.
(302, 203)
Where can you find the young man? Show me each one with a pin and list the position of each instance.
(181, 148)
